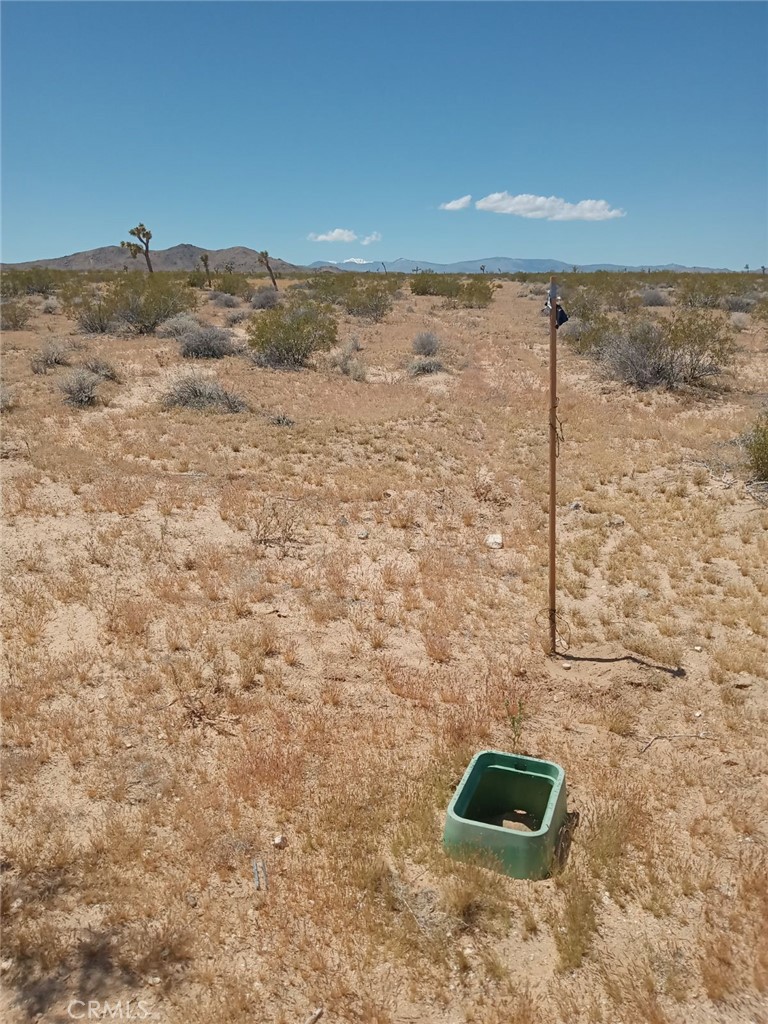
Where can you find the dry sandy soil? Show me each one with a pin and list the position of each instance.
(219, 630)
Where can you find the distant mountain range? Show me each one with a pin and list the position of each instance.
(243, 260)
(491, 265)
(179, 257)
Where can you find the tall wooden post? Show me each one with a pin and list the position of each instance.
(552, 464)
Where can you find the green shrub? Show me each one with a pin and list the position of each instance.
(699, 291)
(142, 305)
(427, 282)
(95, 316)
(288, 335)
(476, 293)
(235, 284)
(14, 316)
(756, 445)
(196, 278)
(371, 301)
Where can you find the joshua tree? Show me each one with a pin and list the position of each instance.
(263, 259)
(204, 259)
(143, 234)
(762, 271)
(746, 267)
(482, 268)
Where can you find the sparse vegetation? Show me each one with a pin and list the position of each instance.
(205, 611)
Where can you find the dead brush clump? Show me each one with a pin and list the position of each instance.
(80, 388)
(203, 394)
(206, 343)
(50, 356)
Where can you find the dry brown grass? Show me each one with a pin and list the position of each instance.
(218, 630)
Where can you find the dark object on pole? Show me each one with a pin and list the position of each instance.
(553, 315)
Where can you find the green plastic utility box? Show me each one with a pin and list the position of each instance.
(509, 806)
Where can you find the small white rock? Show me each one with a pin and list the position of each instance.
(494, 540)
(698, 649)
(567, 667)
(280, 842)
(362, 534)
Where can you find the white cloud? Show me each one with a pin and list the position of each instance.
(337, 235)
(547, 207)
(456, 204)
(373, 237)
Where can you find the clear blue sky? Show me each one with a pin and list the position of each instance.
(262, 124)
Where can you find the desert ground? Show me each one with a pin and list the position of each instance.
(279, 636)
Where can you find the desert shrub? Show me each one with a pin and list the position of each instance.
(237, 316)
(428, 283)
(206, 343)
(51, 306)
(645, 353)
(699, 291)
(80, 388)
(653, 297)
(203, 394)
(196, 278)
(95, 316)
(476, 293)
(104, 369)
(14, 316)
(50, 355)
(370, 301)
(233, 284)
(425, 344)
(222, 299)
(7, 399)
(424, 365)
(739, 321)
(33, 281)
(756, 444)
(583, 303)
(346, 361)
(143, 303)
(738, 303)
(265, 298)
(176, 326)
(288, 335)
